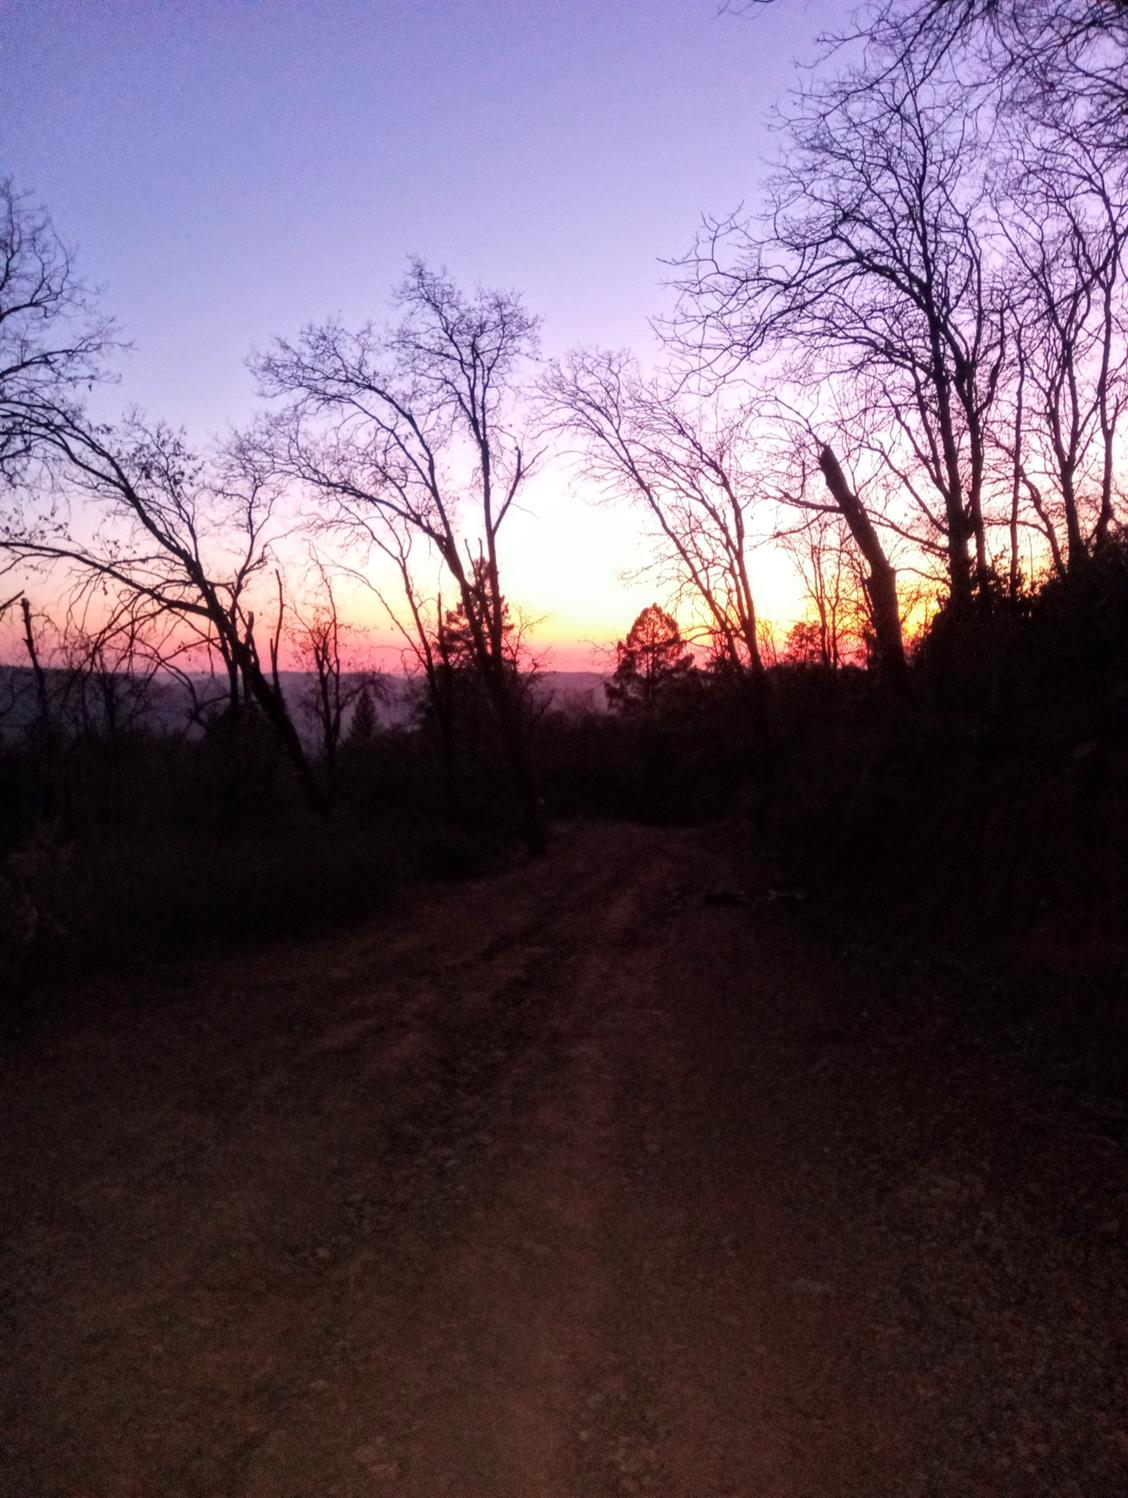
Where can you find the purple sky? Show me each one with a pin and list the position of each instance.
(230, 169)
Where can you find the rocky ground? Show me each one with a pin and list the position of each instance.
(584, 1179)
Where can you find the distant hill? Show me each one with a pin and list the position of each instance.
(575, 690)
(168, 703)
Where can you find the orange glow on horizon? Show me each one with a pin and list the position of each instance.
(576, 573)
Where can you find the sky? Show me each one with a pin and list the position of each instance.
(232, 169)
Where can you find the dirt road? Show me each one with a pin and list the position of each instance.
(575, 1181)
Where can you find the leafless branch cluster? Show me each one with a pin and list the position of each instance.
(690, 466)
(935, 287)
(53, 342)
(412, 434)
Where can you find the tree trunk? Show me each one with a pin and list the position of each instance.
(534, 830)
(492, 672)
(881, 580)
(274, 708)
(37, 670)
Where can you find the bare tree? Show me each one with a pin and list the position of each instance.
(819, 547)
(38, 672)
(1063, 57)
(319, 636)
(832, 503)
(372, 541)
(418, 423)
(9, 680)
(147, 525)
(1037, 58)
(881, 577)
(1066, 225)
(870, 272)
(691, 468)
(52, 339)
(112, 659)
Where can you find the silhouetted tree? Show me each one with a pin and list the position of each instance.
(330, 690)
(652, 663)
(458, 686)
(372, 535)
(417, 422)
(185, 543)
(364, 724)
(1066, 222)
(805, 644)
(1045, 59)
(1064, 58)
(110, 667)
(692, 468)
(53, 340)
(880, 578)
(44, 714)
(870, 272)
(820, 553)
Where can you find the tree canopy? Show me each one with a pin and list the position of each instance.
(652, 663)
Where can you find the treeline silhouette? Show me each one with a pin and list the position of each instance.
(988, 810)
(905, 373)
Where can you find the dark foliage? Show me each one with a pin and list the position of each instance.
(982, 819)
(161, 848)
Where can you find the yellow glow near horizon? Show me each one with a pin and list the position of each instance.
(576, 571)
(581, 569)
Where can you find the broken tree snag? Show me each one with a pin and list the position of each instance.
(881, 580)
(38, 673)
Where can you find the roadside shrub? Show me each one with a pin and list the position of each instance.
(34, 888)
